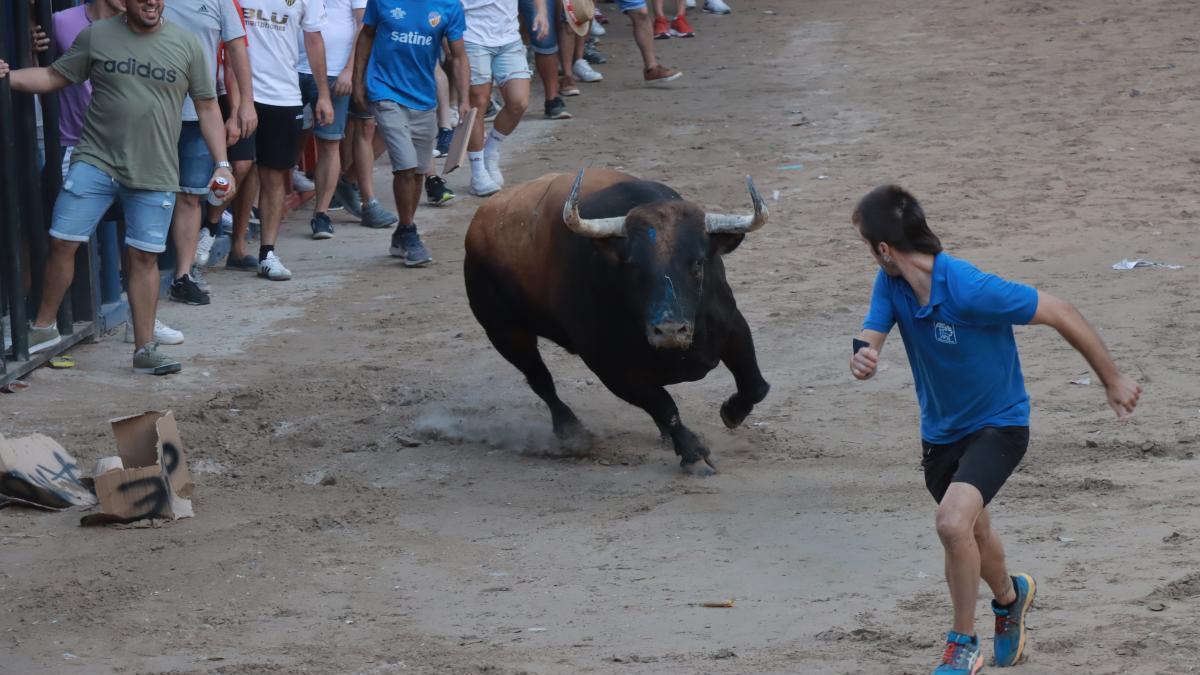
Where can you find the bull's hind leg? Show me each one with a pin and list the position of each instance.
(695, 457)
(739, 357)
(520, 348)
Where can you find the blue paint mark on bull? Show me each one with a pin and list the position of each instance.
(653, 234)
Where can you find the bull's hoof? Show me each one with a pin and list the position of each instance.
(703, 467)
(575, 438)
(733, 414)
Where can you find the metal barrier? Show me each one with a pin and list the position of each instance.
(27, 196)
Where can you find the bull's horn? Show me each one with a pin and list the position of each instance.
(719, 223)
(594, 228)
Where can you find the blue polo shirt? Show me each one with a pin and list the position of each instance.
(960, 346)
(408, 41)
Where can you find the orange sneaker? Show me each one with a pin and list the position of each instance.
(661, 75)
(680, 28)
(662, 28)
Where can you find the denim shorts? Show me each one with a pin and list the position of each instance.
(86, 195)
(548, 44)
(334, 131)
(500, 64)
(195, 161)
(631, 5)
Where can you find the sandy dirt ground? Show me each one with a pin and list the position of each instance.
(379, 492)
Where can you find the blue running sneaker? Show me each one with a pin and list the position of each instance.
(406, 244)
(962, 656)
(1010, 622)
(444, 138)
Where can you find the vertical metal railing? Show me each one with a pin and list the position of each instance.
(10, 217)
(27, 195)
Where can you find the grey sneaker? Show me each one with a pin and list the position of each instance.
(350, 196)
(407, 244)
(42, 338)
(149, 361)
(375, 216)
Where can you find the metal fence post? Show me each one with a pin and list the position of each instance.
(10, 219)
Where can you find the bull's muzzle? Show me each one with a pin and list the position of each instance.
(670, 334)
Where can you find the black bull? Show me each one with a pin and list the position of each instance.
(627, 275)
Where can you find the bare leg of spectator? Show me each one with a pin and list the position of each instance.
(143, 294)
(60, 271)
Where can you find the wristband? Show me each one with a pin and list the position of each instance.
(224, 165)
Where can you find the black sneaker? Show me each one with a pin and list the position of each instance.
(335, 203)
(322, 226)
(556, 109)
(186, 291)
(437, 192)
(444, 137)
(491, 113)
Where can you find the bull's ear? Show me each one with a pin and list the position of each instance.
(720, 244)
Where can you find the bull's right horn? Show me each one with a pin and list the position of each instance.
(594, 228)
(719, 223)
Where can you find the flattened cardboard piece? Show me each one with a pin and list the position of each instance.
(458, 145)
(154, 479)
(37, 471)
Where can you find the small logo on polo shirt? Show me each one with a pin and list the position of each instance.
(434, 19)
(399, 13)
(944, 333)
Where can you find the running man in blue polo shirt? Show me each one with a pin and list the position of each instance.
(397, 50)
(956, 322)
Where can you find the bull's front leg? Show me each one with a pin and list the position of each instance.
(695, 458)
(739, 357)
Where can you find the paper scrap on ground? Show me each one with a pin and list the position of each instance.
(1130, 264)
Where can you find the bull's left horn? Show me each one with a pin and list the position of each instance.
(594, 228)
(719, 223)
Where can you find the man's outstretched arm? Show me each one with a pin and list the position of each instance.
(1122, 391)
(34, 80)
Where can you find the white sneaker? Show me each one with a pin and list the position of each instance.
(492, 164)
(585, 73)
(597, 29)
(197, 274)
(483, 185)
(717, 7)
(163, 334)
(271, 268)
(226, 221)
(302, 182)
(204, 247)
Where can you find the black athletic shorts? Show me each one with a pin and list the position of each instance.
(243, 150)
(985, 459)
(278, 137)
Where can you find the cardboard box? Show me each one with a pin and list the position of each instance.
(153, 479)
(37, 471)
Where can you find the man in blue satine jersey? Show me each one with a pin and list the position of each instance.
(397, 51)
(957, 322)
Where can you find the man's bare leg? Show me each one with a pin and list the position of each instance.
(956, 518)
(143, 295)
(60, 272)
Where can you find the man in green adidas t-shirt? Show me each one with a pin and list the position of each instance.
(141, 67)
